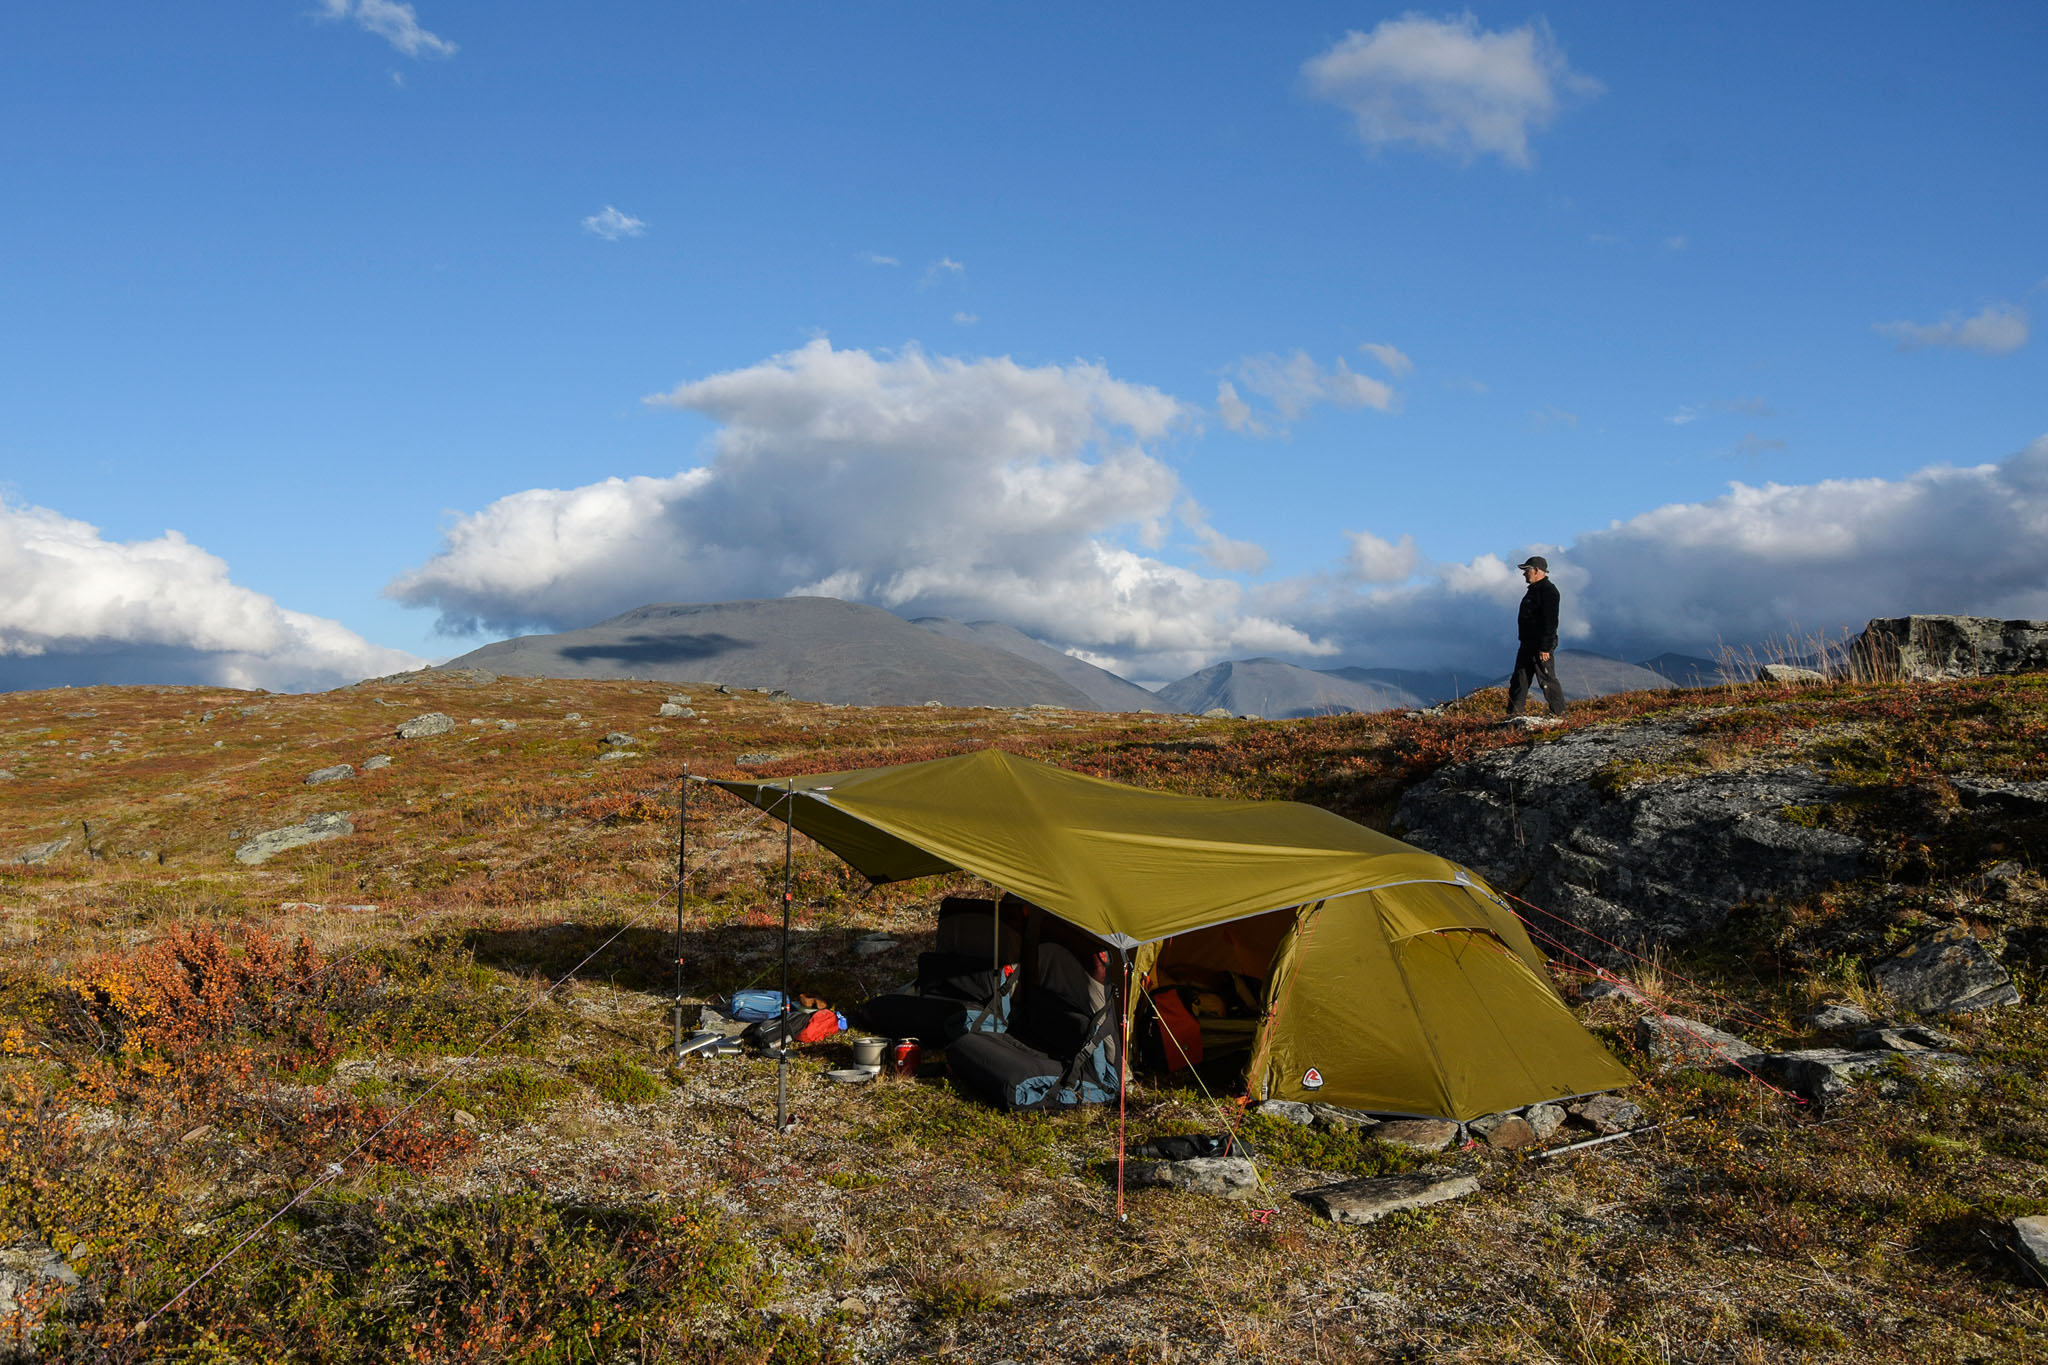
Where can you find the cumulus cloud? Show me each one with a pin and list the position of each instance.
(78, 608)
(394, 22)
(1376, 560)
(612, 224)
(1449, 85)
(1292, 385)
(1747, 567)
(929, 485)
(943, 268)
(2000, 329)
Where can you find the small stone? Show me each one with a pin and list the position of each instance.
(778, 695)
(1502, 1132)
(1288, 1111)
(1947, 972)
(1909, 1038)
(338, 773)
(873, 944)
(1837, 1018)
(6, 776)
(1674, 1041)
(1605, 988)
(669, 708)
(508, 725)
(754, 760)
(573, 715)
(1419, 1135)
(199, 1134)
(432, 723)
(679, 699)
(1216, 713)
(1338, 1119)
(464, 1118)
(613, 755)
(2032, 1234)
(1544, 1120)
(1221, 1177)
(376, 761)
(618, 738)
(1787, 673)
(1607, 1114)
(1357, 1202)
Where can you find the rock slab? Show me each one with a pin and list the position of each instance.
(1948, 972)
(312, 830)
(340, 772)
(2032, 1234)
(1672, 1040)
(1220, 1177)
(42, 853)
(432, 723)
(1357, 1202)
(1928, 648)
(1421, 1135)
(33, 1268)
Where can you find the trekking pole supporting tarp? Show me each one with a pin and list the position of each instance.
(682, 874)
(782, 1047)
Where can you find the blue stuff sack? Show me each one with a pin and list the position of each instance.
(754, 1006)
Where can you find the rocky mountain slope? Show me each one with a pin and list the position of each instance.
(814, 648)
(1275, 690)
(1105, 689)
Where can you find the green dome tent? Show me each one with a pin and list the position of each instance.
(1394, 981)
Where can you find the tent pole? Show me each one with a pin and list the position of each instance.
(782, 1048)
(682, 872)
(1123, 1085)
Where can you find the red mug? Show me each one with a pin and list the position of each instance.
(904, 1056)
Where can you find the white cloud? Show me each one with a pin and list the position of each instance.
(1747, 567)
(1389, 357)
(1544, 417)
(1739, 407)
(877, 258)
(1448, 85)
(929, 485)
(966, 319)
(1675, 242)
(394, 22)
(612, 224)
(1685, 416)
(2000, 329)
(76, 607)
(1293, 384)
(1376, 560)
(943, 268)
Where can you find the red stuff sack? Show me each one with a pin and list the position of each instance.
(1180, 1033)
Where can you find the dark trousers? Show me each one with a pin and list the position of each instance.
(1544, 671)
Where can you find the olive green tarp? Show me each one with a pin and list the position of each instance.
(1394, 980)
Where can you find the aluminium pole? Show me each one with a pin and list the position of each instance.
(682, 872)
(782, 1049)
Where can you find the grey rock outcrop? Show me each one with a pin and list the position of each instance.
(1641, 863)
(432, 723)
(1837, 1017)
(1790, 673)
(1288, 1111)
(1947, 972)
(1823, 1074)
(1220, 1177)
(42, 853)
(1502, 1132)
(312, 830)
(34, 1270)
(1675, 1041)
(676, 711)
(375, 761)
(1373, 1198)
(1925, 648)
(340, 772)
(1545, 1120)
(2032, 1236)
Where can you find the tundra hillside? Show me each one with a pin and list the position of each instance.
(384, 1052)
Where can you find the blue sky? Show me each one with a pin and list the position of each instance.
(1169, 334)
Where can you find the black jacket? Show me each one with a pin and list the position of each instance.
(1536, 623)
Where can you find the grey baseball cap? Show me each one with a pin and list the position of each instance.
(1535, 562)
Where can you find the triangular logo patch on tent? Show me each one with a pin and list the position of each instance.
(1311, 1079)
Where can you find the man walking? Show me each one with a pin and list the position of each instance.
(1536, 627)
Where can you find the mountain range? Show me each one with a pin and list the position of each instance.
(823, 649)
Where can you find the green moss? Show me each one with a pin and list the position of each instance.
(1342, 1151)
(510, 1094)
(619, 1079)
